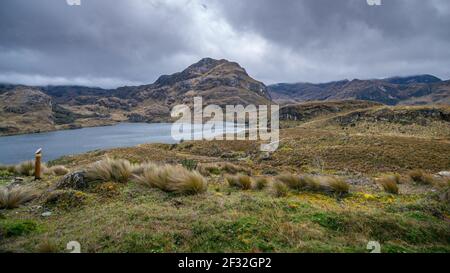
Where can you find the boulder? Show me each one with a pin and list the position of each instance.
(75, 180)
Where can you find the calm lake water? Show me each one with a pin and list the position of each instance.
(15, 149)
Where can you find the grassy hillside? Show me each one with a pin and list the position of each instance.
(324, 190)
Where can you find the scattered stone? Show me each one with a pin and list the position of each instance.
(35, 208)
(17, 181)
(74, 181)
(444, 173)
(265, 156)
(360, 181)
(46, 214)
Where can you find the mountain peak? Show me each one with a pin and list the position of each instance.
(198, 69)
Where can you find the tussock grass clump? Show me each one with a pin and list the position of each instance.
(421, 177)
(99, 171)
(291, 181)
(25, 168)
(333, 185)
(304, 182)
(121, 170)
(171, 178)
(389, 184)
(261, 183)
(138, 169)
(13, 197)
(397, 177)
(208, 169)
(117, 170)
(279, 189)
(233, 169)
(230, 168)
(58, 170)
(243, 182)
(325, 184)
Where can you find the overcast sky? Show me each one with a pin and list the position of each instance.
(110, 43)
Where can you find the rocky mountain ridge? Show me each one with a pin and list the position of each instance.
(413, 90)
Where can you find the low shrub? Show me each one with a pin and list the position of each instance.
(65, 199)
(189, 164)
(107, 189)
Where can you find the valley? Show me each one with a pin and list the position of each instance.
(28, 109)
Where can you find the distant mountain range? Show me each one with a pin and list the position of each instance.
(217, 81)
(25, 109)
(413, 90)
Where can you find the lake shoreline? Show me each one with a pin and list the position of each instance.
(57, 143)
(75, 127)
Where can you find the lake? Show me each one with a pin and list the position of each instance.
(15, 149)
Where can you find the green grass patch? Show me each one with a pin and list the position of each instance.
(13, 228)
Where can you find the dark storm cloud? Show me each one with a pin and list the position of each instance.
(349, 38)
(115, 42)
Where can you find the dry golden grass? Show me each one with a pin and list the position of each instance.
(173, 179)
(334, 185)
(14, 197)
(58, 170)
(279, 189)
(324, 184)
(290, 180)
(139, 169)
(421, 177)
(389, 184)
(233, 169)
(25, 168)
(121, 170)
(243, 182)
(201, 168)
(117, 170)
(261, 183)
(230, 168)
(99, 171)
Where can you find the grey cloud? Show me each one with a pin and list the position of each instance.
(116, 42)
(398, 38)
